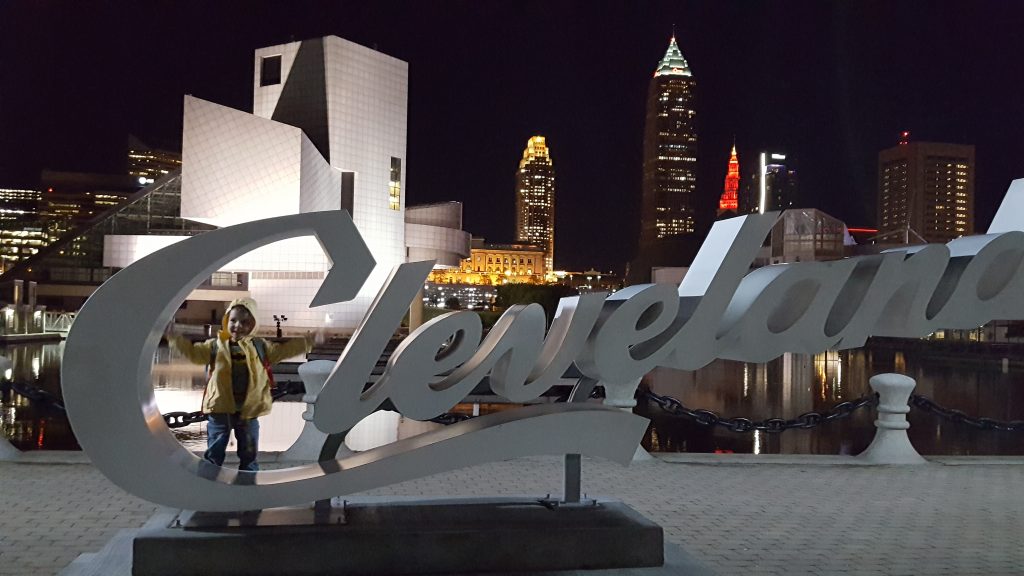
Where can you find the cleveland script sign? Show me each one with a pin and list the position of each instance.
(721, 310)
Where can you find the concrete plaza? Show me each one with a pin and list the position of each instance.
(729, 514)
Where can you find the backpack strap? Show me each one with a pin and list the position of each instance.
(261, 350)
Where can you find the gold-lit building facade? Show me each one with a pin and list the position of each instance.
(535, 200)
(496, 264)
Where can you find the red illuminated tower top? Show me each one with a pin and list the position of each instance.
(729, 199)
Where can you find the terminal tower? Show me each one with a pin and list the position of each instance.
(728, 204)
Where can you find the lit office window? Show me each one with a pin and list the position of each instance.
(395, 186)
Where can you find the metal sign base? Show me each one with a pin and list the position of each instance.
(404, 537)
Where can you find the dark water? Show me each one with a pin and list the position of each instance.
(972, 381)
(797, 383)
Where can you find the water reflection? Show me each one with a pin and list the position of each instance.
(798, 383)
(33, 425)
(786, 387)
(178, 386)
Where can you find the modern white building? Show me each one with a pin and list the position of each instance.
(327, 132)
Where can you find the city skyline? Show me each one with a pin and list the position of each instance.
(829, 85)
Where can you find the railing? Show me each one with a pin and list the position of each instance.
(58, 321)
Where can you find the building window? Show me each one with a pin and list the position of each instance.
(270, 70)
(348, 188)
(395, 186)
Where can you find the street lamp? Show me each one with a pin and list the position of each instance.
(279, 319)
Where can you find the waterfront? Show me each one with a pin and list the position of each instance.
(975, 381)
(978, 384)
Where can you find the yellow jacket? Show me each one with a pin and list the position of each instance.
(218, 398)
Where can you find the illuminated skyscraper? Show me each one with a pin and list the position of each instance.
(925, 191)
(728, 205)
(535, 199)
(670, 151)
(774, 186)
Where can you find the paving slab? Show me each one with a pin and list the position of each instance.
(950, 516)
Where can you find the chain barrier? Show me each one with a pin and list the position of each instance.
(928, 405)
(449, 418)
(42, 398)
(773, 425)
(182, 419)
(669, 404)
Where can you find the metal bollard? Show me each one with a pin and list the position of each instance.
(891, 444)
(621, 396)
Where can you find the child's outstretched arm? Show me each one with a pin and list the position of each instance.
(293, 347)
(198, 353)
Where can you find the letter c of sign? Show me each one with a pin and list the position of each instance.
(106, 378)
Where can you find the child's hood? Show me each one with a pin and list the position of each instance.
(247, 303)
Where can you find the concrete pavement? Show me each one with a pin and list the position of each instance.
(730, 514)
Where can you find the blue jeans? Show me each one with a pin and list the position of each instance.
(247, 434)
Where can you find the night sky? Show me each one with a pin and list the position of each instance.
(828, 83)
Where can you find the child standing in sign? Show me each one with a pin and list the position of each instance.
(238, 391)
